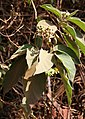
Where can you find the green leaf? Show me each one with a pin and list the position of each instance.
(78, 22)
(15, 72)
(64, 77)
(67, 50)
(2, 49)
(52, 9)
(67, 86)
(68, 63)
(38, 42)
(79, 41)
(72, 14)
(21, 50)
(72, 44)
(33, 88)
(29, 1)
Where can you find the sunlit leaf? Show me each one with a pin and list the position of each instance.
(52, 9)
(21, 50)
(30, 72)
(78, 22)
(15, 72)
(80, 42)
(33, 88)
(31, 55)
(44, 63)
(38, 62)
(32, 60)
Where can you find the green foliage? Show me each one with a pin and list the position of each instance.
(72, 14)
(72, 41)
(69, 51)
(52, 9)
(64, 76)
(29, 1)
(79, 41)
(67, 61)
(78, 22)
(63, 61)
(35, 62)
(72, 44)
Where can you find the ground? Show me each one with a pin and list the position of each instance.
(17, 19)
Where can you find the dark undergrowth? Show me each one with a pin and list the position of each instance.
(17, 27)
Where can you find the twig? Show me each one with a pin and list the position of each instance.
(5, 21)
(11, 41)
(34, 9)
(11, 22)
(49, 88)
(12, 33)
(50, 94)
(69, 113)
(82, 74)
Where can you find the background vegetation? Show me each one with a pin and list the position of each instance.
(18, 27)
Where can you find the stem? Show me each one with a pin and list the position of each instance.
(49, 88)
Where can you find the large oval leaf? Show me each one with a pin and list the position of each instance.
(68, 63)
(15, 72)
(64, 77)
(67, 50)
(38, 62)
(21, 50)
(33, 88)
(44, 63)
